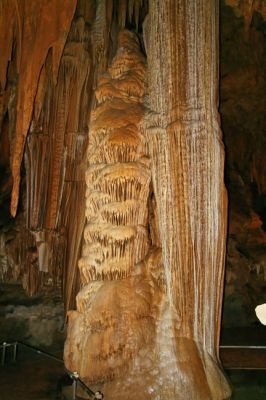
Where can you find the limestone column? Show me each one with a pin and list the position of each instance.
(185, 145)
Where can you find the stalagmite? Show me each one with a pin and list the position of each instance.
(113, 320)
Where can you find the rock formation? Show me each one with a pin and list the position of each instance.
(113, 335)
(109, 120)
(50, 130)
(114, 317)
(27, 31)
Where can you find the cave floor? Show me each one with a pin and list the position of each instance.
(248, 384)
(35, 377)
(32, 377)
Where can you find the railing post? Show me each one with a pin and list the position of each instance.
(74, 387)
(3, 358)
(75, 376)
(15, 349)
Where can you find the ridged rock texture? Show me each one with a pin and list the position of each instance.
(176, 351)
(49, 128)
(120, 143)
(27, 30)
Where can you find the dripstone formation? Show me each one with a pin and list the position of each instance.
(125, 200)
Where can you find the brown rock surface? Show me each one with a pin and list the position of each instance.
(35, 27)
(178, 341)
(138, 113)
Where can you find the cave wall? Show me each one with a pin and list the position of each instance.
(36, 320)
(242, 108)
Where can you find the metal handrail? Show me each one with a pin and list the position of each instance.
(76, 380)
(73, 375)
(39, 351)
(244, 347)
(4, 346)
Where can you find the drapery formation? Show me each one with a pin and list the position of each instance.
(151, 270)
(46, 90)
(27, 30)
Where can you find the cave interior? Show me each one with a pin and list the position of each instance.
(82, 98)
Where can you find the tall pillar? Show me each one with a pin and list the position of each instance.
(185, 145)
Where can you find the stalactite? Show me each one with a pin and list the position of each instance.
(33, 45)
(56, 142)
(55, 154)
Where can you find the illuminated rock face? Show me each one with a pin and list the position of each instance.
(45, 95)
(114, 319)
(28, 32)
(144, 315)
(148, 312)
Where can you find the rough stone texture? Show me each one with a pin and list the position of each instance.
(37, 320)
(53, 140)
(32, 46)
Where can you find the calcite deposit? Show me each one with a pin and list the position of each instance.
(113, 159)
(113, 317)
(128, 318)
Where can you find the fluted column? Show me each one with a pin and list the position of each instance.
(185, 146)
